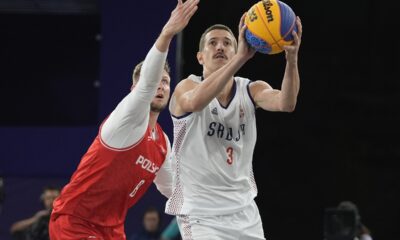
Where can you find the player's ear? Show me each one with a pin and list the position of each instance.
(200, 57)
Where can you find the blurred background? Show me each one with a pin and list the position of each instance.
(66, 64)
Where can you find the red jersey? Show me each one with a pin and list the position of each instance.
(109, 181)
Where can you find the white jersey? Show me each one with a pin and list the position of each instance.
(212, 156)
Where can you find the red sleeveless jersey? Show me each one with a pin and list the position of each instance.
(109, 181)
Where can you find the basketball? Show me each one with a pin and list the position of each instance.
(269, 26)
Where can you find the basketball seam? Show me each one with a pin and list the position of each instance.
(290, 29)
(266, 26)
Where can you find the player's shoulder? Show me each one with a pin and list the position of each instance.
(256, 87)
(259, 84)
(192, 79)
(242, 79)
(243, 82)
(188, 83)
(250, 82)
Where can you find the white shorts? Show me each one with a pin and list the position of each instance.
(243, 225)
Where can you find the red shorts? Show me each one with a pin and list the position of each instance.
(67, 227)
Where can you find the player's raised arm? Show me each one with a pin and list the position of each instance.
(128, 122)
(178, 20)
(284, 99)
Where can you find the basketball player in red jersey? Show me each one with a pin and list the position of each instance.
(128, 153)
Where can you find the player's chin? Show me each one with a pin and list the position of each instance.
(157, 107)
(218, 63)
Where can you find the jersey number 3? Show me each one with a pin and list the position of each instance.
(229, 151)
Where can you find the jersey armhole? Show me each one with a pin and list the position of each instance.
(249, 94)
(180, 117)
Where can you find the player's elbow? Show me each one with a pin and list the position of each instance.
(288, 107)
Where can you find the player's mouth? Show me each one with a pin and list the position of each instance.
(160, 96)
(220, 56)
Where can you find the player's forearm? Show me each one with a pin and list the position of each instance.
(163, 41)
(151, 74)
(215, 82)
(128, 122)
(290, 87)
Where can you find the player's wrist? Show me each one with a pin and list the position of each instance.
(167, 34)
(291, 61)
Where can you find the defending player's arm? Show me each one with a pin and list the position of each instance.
(163, 179)
(127, 124)
(285, 99)
(178, 20)
(193, 97)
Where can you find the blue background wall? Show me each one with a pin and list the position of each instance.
(35, 156)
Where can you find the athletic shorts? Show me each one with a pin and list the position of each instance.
(243, 225)
(67, 227)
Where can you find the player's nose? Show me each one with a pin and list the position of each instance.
(220, 46)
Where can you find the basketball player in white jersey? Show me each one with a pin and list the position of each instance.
(215, 134)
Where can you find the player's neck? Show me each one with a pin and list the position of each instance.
(153, 119)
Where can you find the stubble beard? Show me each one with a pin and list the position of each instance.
(157, 107)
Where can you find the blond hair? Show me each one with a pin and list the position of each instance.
(137, 70)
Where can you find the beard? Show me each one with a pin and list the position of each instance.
(157, 107)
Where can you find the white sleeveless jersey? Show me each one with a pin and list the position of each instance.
(212, 156)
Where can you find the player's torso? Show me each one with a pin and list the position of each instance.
(213, 150)
(109, 181)
(224, 135)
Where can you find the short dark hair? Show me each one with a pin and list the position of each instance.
(213, 27)
(49, 188)
(137, 70)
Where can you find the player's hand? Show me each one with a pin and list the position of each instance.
(292, 50)
(244, 48)
(180, 17)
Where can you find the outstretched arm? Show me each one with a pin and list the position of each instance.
(285, 99)
(127, 124)
(179, 19)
